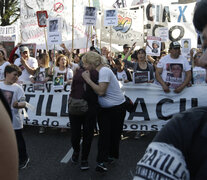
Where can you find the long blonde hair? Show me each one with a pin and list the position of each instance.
(94, 59)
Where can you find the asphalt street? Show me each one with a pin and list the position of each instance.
(50, 157)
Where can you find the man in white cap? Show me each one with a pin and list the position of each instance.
(26, 63)
(173, 70)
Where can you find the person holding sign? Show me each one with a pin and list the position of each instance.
(62, 68)
(143, 71)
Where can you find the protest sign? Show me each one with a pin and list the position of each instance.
(141, 76)
(54, 31)
(163, 34)
(90, 15)
(110, 17)
(42, 18)
(153, 46)
(186, 47)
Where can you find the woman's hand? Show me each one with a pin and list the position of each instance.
(86, 75)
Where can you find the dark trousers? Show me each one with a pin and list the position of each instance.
(110, 121)
(21, 145)
(87, 124)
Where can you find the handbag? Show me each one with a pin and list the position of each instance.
(77, 106)
(129, 104)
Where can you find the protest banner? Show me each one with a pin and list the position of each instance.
(153, 107)
(128, 30)
(31, 33)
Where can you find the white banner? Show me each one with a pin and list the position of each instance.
(128, 30)
(31, 33)
(153, 107)
(177, 17)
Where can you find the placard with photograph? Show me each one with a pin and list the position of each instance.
(111, 17)
(186, 47)
(58, 83)
(42, 18)
(90, 16)
(54, 31)
(141, 77)
(153, 46)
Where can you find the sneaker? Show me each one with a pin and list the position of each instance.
(23, 164)
(42, 130)
(101, 167)
(84, 165)
(74, 158)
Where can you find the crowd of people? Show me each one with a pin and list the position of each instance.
(94, 78)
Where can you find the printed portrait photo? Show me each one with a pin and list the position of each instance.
(53, 25)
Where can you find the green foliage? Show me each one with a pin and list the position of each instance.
(9, 11)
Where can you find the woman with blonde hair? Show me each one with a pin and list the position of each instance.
(86, 120)
(112, 109)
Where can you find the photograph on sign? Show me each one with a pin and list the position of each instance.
(42, 18)
(58, 83)
(186, 47)
(153, 46)
(89, 16)
(53, 25)
(141, 77)
(110, 17)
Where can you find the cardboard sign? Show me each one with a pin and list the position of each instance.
(89, 17)
(110, 17)
(42, 18)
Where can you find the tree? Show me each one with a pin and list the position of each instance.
(9, 11)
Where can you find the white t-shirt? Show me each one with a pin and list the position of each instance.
(2, 67)
(14, 93)
(121, 75)
(113, 95)
(199, 75)
(32, 62)
(67, 73)
(174, 70)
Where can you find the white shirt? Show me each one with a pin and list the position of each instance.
(174, 70)
(14, 93)
(2, 67)
(121, 75)
(32, 62)
(113, 95)
(67, 73)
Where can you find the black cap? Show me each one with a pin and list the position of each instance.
(174, 45)
(126, 46)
